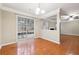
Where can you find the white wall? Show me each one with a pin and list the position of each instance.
(51, 35)
(0, 28)
(8, 27)
(70, 28)
(37, 27)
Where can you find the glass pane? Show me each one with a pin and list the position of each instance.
(25, 44)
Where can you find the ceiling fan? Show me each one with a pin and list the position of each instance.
(70, 17)
(39, 10)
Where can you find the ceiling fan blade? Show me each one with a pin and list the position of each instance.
(65, 17)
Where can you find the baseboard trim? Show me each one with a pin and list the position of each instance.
(7, 44)
(53, 41)
(49, 40)
(35, 38)
(70, 34)
(0, 47)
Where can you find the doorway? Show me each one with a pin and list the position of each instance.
(25, 35)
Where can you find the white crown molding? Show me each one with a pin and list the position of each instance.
(15, 11)
(51, 13)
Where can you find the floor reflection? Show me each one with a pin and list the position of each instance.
(25, 47)
(69, 46)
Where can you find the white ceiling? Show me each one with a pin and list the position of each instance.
(48, 7)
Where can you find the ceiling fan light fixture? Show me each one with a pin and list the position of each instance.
(71, 19)
(37, 11)
(42, 11)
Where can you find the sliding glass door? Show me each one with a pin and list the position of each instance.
(25, 35)
(25, 28)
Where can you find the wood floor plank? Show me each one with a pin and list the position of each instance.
(69, 46)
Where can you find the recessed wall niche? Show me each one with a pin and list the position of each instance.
(50, 23)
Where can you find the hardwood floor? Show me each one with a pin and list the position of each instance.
(44, 47)
(0, 51)
(69, 45)
(9, 49)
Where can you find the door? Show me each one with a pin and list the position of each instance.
(25, 35)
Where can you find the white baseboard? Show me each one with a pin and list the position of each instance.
(0, 47)
(7, 43)
(70, 34)
(52, 40)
